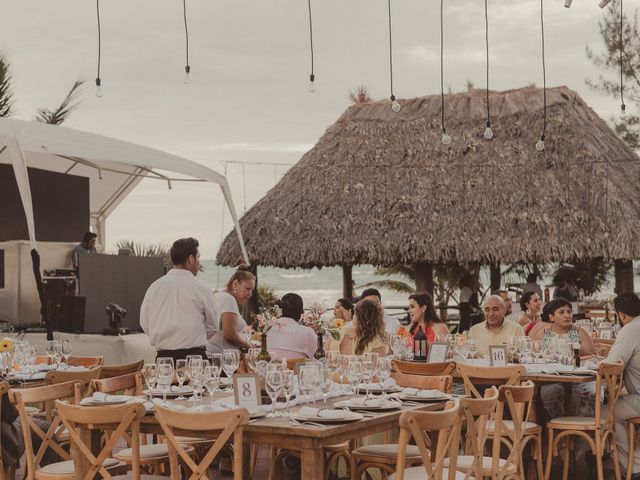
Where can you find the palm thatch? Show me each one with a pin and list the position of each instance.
(381, 188)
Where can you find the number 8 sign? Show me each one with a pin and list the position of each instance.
(246, 390)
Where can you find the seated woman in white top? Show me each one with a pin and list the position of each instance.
(289, 339)
(231, 324)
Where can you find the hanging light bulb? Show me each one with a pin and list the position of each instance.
(395, 105)
(98, 87)
(187, 75)
(488, 133)
(312, 87)
(446, 139)
(623, 112)
(540, 144)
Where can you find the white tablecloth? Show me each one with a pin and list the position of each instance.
(114, 349)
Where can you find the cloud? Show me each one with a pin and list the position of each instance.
(259, 147)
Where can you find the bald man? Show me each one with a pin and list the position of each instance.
(495, 329)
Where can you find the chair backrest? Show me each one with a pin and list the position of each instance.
(4, 388)
(46, 394)
(485, 375)
(225, 425)
(518, 400)
(477, 412)
(423, 368)
(130, 384)
(609, 380)
(85, 376)
(415, 424)
(117, 420)
(440, 382)
(86, 361)
(43, 360)
(109, 371)
(293, 364)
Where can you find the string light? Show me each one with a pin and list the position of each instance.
(187, 67)
(446, 139)
(540, 143)
(312, 77)
(98, 80)
(623, 112)
(488, 133)
(395, 105)
(567, 3)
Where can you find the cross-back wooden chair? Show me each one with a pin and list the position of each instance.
(516, 401)
(226, 425)
(597, 431)
(117, 420)
(434, 382)
(420, 368)
(88, 362)
(473, 375)
(415, 424)
(477, 412)
(7, 472)
(61, 376)
(43, 360)
(129, 384)
(109, 371)
(51, 437)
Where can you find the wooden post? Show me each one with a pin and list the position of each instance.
(254, 301)
(424, 277)
(347, 281)
(494, 276)
(624, 276)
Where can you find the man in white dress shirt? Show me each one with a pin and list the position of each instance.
(391, 324)
(177, 310)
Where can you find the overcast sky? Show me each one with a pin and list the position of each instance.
(248, 100)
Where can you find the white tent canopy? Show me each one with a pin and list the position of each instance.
(114, 167)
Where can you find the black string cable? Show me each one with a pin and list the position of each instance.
(488, 133)
(540, 143)
(312, 77)
(187, 67)
(98, 80)
(623, 113)
(395, 105)
(446, 139)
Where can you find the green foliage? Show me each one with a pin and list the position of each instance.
(6, 95)
(68, 105)
(139, 249)
(589, 274)
(608, 60)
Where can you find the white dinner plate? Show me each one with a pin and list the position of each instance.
(371, 405)
(348, 417)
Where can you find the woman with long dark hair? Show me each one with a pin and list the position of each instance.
(368, 334)
(423, 315)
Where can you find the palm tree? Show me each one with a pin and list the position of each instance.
(359, 95)
(44, 114)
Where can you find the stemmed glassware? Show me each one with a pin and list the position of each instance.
(150, 377)
(367, 374)
(30, 354)
(331, 358)
(195, 368)
(211, 379)
(66, 349)
(343, 363)
(354, 373)
(306, 380)
(536, 351)
(230, 363)
(181, 376)
(165, 377)
(287, 387)
(512, 347)
(326, 381)
(384, 372)
(472, 347)
(273, 385)
(252, 357)
(48, 348)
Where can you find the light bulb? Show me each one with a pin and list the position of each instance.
(395, 106)
(488, 133)
(623, 112)
(540, 145)
(446, 139)
(187, 75)
(312, 87)
(98, 87)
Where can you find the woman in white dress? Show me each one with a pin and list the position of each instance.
(231, 324)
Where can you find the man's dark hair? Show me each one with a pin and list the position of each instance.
(367, 292)
(628, 303)
(291, 305)
(88, 236)
(182, 249)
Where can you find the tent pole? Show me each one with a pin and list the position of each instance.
(424, 277)
(44, 310)
(624, 276)
(495, 277)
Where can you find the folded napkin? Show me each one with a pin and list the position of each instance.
(182, 407)
(388, 384)
(75, 368)
(178, 389)
(416, 392)
(310, 412)
(590, 365)
(103, 397)
(43, 367)
(363, 402)
(30, 376)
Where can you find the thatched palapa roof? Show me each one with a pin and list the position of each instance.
(380, 187)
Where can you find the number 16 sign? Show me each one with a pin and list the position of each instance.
(497, 355)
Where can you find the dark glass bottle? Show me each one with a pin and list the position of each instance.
(576, 354)
(546, 295)
(420, 345)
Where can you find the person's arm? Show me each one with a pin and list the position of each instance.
(382, 350)
(622, 349)
(144, 314)
(209, 315)
(586, 343)
(440, 329)
(346, 346)
(228, 324)
(523, 320)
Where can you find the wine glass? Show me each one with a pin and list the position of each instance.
(165, 377)
(384, 372)
(252, 357)
(326, 380)
(343, 363)
(536, 351)
(287, 387)
(230, 363)
(354, 373)
(367, 374)
(211, 379)
(150, 377)
(30, 354)
(512, 347)
(57, 353)
(331, 358)
(66, 351)
(472, 347)
(181, 375)
(195, 367)
(305, 384)
(273, 385)
(48, 348)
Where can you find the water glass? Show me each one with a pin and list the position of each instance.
(181, 375)
(288, 384)
(306, 380)
(472, 347)
(66, 350)
(384, 372)
(150, 377)
(273, 385)
(211, 379)
(230, 363)
(326, 381)
(165, 377)
(354, 374)
(252, 358)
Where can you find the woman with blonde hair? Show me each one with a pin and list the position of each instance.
(368, 334)
(226, 308)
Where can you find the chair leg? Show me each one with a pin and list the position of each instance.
(631, 433)
(537, 448)
(547, 473)
(599, 452)
(566, 456)
(614, 455)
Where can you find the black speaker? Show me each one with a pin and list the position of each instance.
(71, 318)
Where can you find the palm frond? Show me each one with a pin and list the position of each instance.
(359, 95)
(139, 249)
(407, 271)
(393, 285)
(6, 95)
(68, 105)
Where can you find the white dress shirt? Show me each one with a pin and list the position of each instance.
(177, 312)
(289, 339)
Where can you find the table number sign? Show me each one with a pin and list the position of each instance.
(497, 355)
(246, 390)
(437, 352)
(605, 333)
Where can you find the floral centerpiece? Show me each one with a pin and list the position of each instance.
(313, 319)
(265, 321)
(6, 344)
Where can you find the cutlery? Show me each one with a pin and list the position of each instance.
(298, 423)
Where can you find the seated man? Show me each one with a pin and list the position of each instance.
(495, 329)
(289, 339)
(627, 349)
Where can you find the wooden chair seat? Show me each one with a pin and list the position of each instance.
(465, 462)
(154, 451)
(67, 468)
(530, 428)
(419, 473)
(389, 450)
(577, 423)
